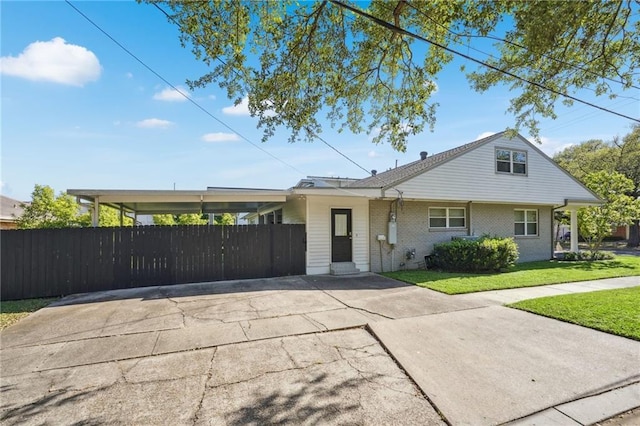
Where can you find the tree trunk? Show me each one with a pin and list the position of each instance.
(634, 234)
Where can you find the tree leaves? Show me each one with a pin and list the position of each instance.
(300, 62)
(48, 211)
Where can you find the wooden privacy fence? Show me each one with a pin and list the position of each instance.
(54, 262)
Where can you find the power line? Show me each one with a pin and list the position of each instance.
(492, 37)
(307, 128)
(402, 31)
(211, 115)
(201, 108)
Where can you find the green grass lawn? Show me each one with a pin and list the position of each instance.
(521, 275)
(613, 311)
(14, 310)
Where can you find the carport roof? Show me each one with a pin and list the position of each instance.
(211, 200)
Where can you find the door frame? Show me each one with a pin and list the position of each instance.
(349, 230)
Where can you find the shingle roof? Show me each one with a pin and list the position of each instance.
(407, 171)
(10, 208)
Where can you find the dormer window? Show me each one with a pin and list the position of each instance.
(509, 161)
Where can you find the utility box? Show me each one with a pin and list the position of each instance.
(392, 234)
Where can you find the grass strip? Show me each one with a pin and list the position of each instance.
(13, 311)
(528, 274)
(612, 311)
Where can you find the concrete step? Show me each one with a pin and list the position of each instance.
(344, 268)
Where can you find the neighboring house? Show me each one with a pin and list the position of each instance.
(10, 210)
(498, 186)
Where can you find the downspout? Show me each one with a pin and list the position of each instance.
(553, 237)
(574, 226)
(469, 228)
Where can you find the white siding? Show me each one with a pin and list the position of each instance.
(319, 231)
(294, 211)
(472, 176)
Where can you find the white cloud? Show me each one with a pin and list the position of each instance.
(212, 97)
(484, 135)
(552, 146)
(154, 123)
(241, 109)
(220, 137)
(129, 75)
(373, 154)
(55, 61)
(171, 95)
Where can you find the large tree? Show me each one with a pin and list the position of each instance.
(621, 155)
(373, 66)
(618, 208)
(46, 210)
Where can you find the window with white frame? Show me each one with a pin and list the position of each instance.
(525, 222)
(447, 217)
(509, 161)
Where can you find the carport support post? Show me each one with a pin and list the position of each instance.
(574, 230)
(95, 216)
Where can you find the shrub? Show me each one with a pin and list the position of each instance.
(573, 256)
(484, 254)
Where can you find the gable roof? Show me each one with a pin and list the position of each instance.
(407, 171)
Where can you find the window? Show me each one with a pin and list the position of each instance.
(514, 162)
(447, 217)
(525, 222)
(340, 225)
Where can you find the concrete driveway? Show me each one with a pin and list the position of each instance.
(308, 350)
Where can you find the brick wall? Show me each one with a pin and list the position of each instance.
(497, 219)
(414, 233)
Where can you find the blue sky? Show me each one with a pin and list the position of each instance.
(78, 112)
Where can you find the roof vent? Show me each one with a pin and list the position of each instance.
(423, 155)
(374, 172)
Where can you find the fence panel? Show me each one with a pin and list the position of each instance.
(53, 262)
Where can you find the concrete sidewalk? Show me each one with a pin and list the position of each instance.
(308, 350)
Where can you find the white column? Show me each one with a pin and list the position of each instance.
(574, 230)
(95, 217)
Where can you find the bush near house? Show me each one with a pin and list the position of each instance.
(482, 255)
(573, 256)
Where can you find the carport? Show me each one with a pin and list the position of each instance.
(572, 206)
(150, 202)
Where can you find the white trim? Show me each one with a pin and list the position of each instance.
(526, 223)
(447, 218)
(511, 161)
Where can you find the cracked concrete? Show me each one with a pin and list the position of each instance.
(299, 350)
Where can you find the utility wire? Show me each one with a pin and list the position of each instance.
(213, 116)
(201, 108)
(402, 31)
(307, 129)
(492, 37)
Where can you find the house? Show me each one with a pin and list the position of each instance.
(10, 210)
(501, 186)
(497, 185)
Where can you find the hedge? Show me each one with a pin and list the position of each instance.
(482, 255)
